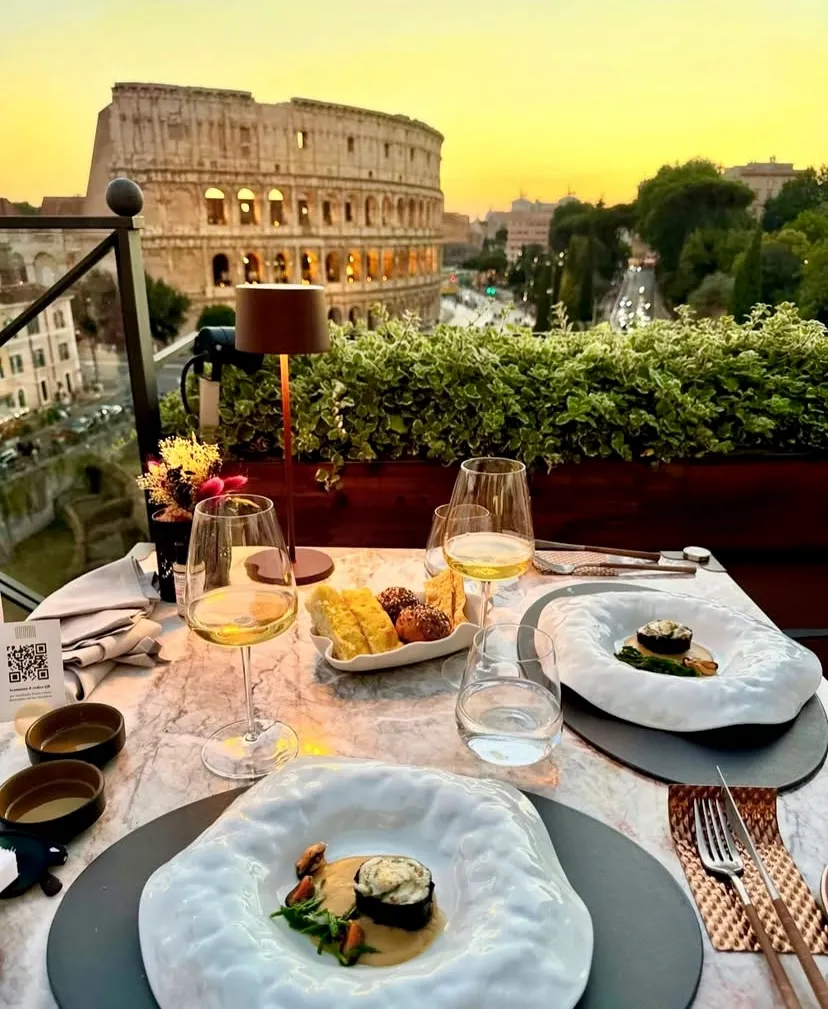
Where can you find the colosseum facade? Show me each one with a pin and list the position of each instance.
(297, 192)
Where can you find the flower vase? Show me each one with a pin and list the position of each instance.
(171, 536)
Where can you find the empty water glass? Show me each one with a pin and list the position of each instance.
(509, 704)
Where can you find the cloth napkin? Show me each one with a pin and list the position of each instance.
(103, 621)
(108, 599)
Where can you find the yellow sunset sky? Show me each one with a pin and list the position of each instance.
(533, 96)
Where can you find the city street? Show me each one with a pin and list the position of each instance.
(637, 299)
(480, 310)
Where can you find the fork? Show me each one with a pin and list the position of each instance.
(546, 567)
(720, 857)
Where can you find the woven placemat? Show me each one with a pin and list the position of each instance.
(590, 557)
(717, 901)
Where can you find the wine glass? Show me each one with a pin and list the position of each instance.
(239, 592)
(509, 703)
(499, 545)
(435, 562)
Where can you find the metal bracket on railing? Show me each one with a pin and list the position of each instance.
(215, 345)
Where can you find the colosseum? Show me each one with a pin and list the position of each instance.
(297, 192)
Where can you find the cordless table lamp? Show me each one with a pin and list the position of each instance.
(286, 319)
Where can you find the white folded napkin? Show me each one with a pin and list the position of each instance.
(139, 639)
(110, 598)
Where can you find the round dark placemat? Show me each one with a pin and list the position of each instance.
(647, 955)
(773, 756)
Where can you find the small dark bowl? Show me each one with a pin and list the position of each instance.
(76, 786)
(85, 731)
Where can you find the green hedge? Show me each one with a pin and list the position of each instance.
(679, 389)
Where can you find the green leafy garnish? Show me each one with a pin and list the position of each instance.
(652, 663)
(310, 918)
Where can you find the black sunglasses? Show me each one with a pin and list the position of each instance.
(35, 857)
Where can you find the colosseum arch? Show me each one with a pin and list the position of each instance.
(354, 315)
(333, 266)
(221, 270)
(372, 266)
(370, 211)
(421, 214)
(388, 264)
(252, 268)
(214, 202)
(330, 210)
(281, 269)
(421, 261)
(400, 213)
(387, 212)
(310, 266)
(353, 268)
(412, 262)
(247, 206)
(276, 201)
(373, 318)
(12, 268)
(402, 262)
(335, 315)
(412, 213)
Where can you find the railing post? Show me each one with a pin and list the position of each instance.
(125, 198)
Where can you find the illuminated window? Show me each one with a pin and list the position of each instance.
(214, 199)
(350, 145)
(302, 139)
(412, 262)
(277, 207)
(309, 268)
(247, 206)
(388, 264)
(252, 268)
(353, 267)
(372, 265)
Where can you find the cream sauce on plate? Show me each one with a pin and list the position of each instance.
(335, 881)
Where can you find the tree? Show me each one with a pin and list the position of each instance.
(26, 209)
(216, 315)
(96, 308)
(541, 294)
(681, 198)
(804, 192)
(747, 287)
(813, 292)
(781, 272)
(713, 295)
(501, 235)
(167, 309)
(706, 251)
(586, 288)
(521, 274)
(812, 223)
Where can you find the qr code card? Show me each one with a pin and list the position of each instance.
(31, 667)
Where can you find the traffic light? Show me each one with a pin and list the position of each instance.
(491, 290)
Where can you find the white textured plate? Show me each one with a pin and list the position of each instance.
(517, 934)
(418, 651)
(764, 677)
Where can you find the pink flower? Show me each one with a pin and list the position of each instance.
(232, 483)
(210, 488)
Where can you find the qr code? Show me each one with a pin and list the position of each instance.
(27, 662)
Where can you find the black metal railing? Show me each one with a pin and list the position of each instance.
(123, 238)
(126, 201)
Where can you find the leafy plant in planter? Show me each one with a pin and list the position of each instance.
(679, 389)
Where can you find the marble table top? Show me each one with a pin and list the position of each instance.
(405, 716)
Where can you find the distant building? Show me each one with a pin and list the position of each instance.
(462, 238)
(764, 178)
(302, 191)
(62, 206)
(39, 366)
(527, 223)
(456, 228)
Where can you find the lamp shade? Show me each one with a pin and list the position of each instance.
(281, 319)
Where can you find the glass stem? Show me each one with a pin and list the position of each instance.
(251, 735)
(485, 602)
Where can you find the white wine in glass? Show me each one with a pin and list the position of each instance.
(501, 545)
(240, 592)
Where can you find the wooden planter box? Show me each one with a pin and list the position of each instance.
(730, 506)
(765, 518)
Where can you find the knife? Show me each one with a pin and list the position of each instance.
(647, 555)
(812, 972)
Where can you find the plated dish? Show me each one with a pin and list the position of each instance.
(504, 927)
(358, 631)
(741, 671)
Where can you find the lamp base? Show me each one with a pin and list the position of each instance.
(311, 566)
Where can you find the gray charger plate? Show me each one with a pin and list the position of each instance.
(774, 756)
(647, 954)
